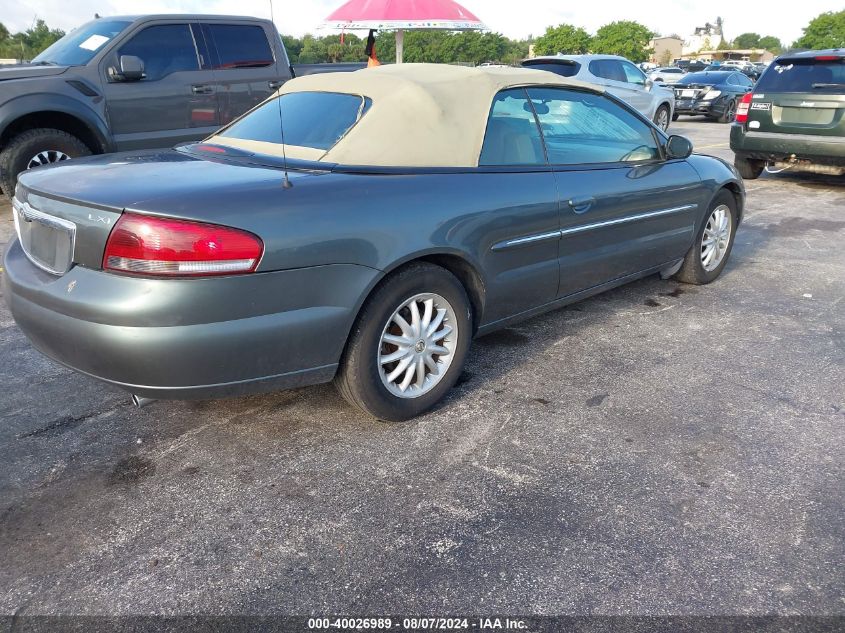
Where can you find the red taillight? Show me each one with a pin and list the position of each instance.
(826, 58)
(147, 245)
(742, 108)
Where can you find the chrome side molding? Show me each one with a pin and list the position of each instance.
(529, 239)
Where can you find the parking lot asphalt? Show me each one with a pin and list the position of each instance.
(659, 449)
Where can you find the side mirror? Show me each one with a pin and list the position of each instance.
(678, 147)
(131, 68)
(649, 83)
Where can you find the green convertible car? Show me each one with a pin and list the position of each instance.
(795, 117)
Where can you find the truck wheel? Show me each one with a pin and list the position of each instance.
(707, 257)
(34, 148)
(748, 168)
(408, 345)
(661, 117)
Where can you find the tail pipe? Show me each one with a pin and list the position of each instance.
(141, 402)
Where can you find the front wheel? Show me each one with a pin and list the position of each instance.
(707, 257)
(409, 344)
(35, 148)
(661, 117)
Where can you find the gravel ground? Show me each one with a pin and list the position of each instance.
(659, 449)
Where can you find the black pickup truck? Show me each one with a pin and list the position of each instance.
(138, 82)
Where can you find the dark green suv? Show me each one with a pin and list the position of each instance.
(795, 118)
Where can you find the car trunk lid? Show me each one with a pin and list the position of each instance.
(56, 233)
(692, 90)
(64, 214)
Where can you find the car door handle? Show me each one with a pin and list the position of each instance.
(274, 84)
(202, 90)
(581, 204)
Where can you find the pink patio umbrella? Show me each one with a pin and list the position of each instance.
(399, 15)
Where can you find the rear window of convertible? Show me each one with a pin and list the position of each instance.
(311, 119)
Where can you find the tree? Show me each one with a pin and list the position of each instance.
(293, 45)
(628, 39)
(29, 43)
(665, 58)
(442, 47)
(564, 38)
(770, 43)
(824, 31)
(40, 36)
(747, 40)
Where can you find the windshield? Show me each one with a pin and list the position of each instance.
(79, 46)
(804, 75)
(703, 78)
(311, 119)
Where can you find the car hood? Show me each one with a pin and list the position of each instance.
(170, 182)
(29, 71)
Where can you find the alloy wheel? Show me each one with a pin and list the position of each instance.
(662, 119)
(47, 157)
(417, 345)
(716, 238)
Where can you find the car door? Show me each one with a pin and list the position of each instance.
(738, 84)
(246, 70)
(519, 201)
(615, 74)
(175, 100)
(641, 98)
(624, 208)
(744, 84)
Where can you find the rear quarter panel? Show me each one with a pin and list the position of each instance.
(382, 221)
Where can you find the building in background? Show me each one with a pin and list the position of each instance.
(705, 38)
(664, 50)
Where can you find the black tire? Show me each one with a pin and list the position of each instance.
(749, 168)
(663, 109)
(15, 156)
(729, 113)
(675, 116)
(359, 380)
(692, 271)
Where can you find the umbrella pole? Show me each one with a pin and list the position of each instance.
(400, 39)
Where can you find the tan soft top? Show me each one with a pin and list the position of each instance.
(422, 115)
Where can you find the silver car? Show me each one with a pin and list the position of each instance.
(667, 75)
(619, 76)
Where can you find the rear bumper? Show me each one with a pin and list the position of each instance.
(708, 108)
(772, 146)
(189, 339)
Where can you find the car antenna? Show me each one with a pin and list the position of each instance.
(286, 183)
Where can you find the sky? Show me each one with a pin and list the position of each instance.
(516, 19)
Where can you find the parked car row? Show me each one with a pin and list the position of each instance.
(271, 255)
